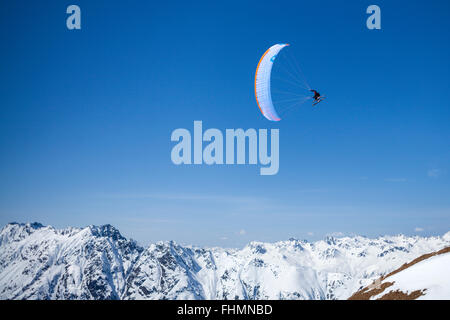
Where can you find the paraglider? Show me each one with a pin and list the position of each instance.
(263, 90)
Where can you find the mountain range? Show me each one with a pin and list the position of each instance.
(97, 262)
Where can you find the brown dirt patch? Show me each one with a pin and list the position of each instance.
(366, 293)
(400, 295)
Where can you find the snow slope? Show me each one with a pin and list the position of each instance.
(430, 276)
(424, 278)
(41, 262)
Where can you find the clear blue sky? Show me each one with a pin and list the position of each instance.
(86, 118)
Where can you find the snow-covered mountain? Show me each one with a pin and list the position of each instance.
(423, 278)
(41, 262)
(38, 262)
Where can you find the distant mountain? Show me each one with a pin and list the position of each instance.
(426, 277)
(41, 262)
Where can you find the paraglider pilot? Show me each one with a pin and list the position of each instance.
(316, 96)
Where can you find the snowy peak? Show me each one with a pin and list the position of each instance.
(16, 231)
(106, 230)
(97, 262)
(38, 262)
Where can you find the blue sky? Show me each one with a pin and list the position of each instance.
(86, 118)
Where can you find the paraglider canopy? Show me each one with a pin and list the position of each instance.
(262, 82)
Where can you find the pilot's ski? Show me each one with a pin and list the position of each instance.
(319, 100)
